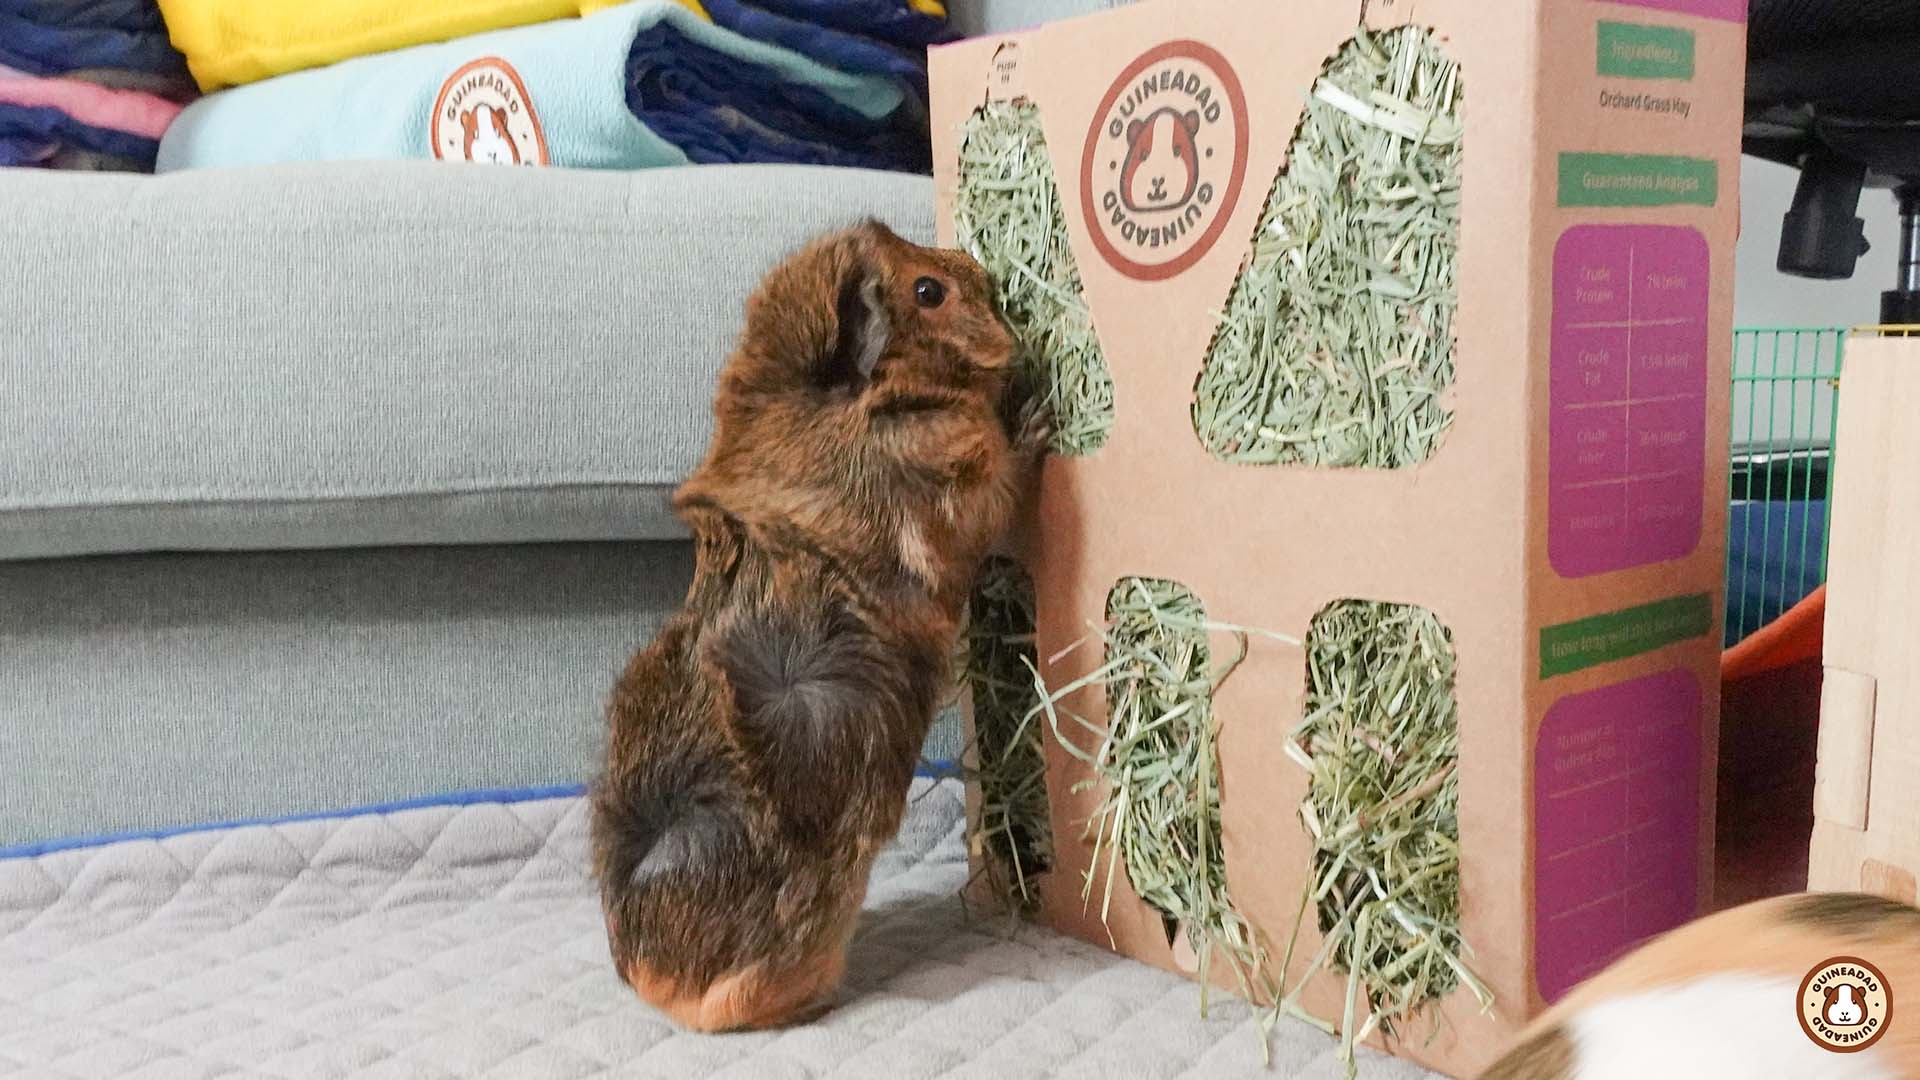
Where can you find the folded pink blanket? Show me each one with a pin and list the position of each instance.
(132, 111)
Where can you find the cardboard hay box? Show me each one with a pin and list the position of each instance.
(1865, 802)
(1568, 530)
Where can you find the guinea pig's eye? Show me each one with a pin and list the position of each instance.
(929, 292)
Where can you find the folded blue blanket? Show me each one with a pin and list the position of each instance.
(643, 84)
(41, 49)
(876, 37)
(894, 21)
(120, 14)
(16, 150)
(31, 133)
(694, 97)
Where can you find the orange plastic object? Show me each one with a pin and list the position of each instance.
(1787, 640)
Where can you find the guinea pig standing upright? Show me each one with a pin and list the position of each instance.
(868, 449)
(1814, 986)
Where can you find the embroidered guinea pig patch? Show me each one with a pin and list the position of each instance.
(1845, 1004)
(483, 114)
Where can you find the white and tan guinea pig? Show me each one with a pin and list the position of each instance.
(1719, 999)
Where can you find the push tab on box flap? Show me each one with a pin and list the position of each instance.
(1008, 79)
(1846, 748)
(1385, 14)
(1892, 882)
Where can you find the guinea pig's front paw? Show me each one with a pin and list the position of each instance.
(1033, 428)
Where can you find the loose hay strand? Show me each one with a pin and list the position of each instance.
(1336, 346)
(1007, 214)
(1380, 740)
(1014, 833)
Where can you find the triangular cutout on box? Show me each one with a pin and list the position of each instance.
(1336, 345)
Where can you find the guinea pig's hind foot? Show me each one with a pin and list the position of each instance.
(749, 999)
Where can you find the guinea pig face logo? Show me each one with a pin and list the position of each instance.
(1161, 169)
(483, 114)
(1164, 160)
(488, 139)
(1845, 1004)
(1844, 1008)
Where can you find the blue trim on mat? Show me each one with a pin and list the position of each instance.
(937, 770)
(451, 798)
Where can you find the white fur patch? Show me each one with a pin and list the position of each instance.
(1726, 1027)
(915, 555)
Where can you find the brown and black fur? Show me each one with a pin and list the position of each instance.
(866, 454)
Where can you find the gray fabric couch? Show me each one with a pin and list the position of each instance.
(330, 485)
(323, 486)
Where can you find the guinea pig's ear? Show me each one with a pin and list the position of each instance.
(1134, 128)
(860, 313)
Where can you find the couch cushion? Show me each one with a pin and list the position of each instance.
(348, 355)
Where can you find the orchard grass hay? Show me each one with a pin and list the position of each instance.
(1007, 214)
(1013, 836)
(1336, 346)
(1156, 763)
(1380, 742)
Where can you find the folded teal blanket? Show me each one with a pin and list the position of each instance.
(644, 84)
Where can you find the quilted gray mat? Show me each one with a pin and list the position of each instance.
(464, 941)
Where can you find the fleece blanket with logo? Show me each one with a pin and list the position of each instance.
(639, 85)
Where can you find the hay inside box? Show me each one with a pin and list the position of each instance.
(1365, 424)
(1005, 759)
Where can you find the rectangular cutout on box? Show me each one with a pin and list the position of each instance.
(1015, 826)
(1380, 737)
(1157, 762)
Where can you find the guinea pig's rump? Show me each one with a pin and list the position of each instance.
(758, 996)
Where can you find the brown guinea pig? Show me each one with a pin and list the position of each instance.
(1744, 995)
(868, 448)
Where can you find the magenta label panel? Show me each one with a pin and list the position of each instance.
(1730, 10)
(1616, 811)
(1627, 416)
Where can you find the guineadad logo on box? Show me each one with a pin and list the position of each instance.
(1845, 1004)
(1164, 160)
(483, 113)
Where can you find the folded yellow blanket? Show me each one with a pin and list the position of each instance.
(230, 42)
(588, 7)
